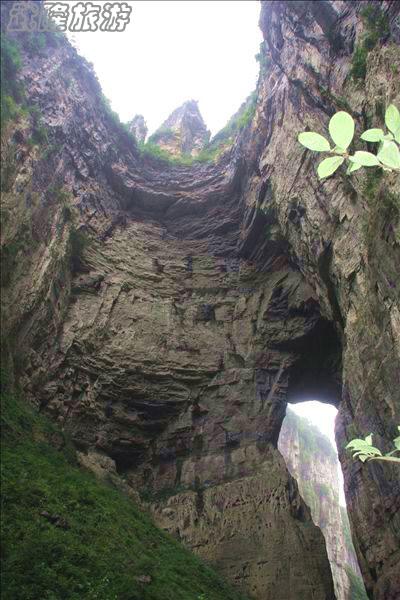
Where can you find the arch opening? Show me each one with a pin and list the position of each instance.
(307, 443)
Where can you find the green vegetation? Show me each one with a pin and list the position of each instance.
(208, 154)
(309, 495)
(359, 63)
(39, 133)
(365, 451)
(346, 529)
(153, 150)
(340, 101)
(13, 103)
(66, 536)
(377, 27)
(222, 140)
(8, 167)
(263, 58)
(78, 241)
(341, 130)
(8, 260)
(236, 123)
(384, 209)
(323, 490)
(357, 589)
(122, 128)
(149, 495)
(163, 132)
(11, 92)
(311, 440)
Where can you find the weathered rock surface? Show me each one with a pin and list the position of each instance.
(342, 235)
(313, 462)
(138, 128)
(206, 296)
(184, 132)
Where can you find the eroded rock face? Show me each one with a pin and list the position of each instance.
(138, 128)
(204, 298)
(341, 233)
(184, 132)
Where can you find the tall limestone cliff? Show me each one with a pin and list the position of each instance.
(184, 132)
(138, 128)
(312, 460)
(163, 315)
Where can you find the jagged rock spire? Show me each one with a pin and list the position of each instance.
(184, 132)
(138, 128)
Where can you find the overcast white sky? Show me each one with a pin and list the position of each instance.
(177, 51)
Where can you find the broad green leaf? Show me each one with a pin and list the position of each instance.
(370, 451)
(396, 442)
(341, 129)
(314, 141)
(368, 439)
(359, 453)
(352, 167)
(365, 159)
(357, 443)
(373, 135)
(389, 155)
(388, 137)
(392, 118)
(338, 150)
(397, 135)
(374, 451)
(329, 166)
(363, 458)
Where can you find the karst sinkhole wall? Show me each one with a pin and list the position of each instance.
(207, 296)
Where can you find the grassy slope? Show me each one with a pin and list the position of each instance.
(102, 542)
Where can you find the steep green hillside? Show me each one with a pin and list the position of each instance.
(67, 536)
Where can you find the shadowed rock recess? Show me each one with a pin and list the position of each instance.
(163, 315)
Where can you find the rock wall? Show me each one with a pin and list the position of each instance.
(164, 314)
(312, 460)
(343, 233)
(138, 128)
(184, 132)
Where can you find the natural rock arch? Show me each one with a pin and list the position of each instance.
(202, 301)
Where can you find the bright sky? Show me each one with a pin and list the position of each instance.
(173, 51)
(323, 416)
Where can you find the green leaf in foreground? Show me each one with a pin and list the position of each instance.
(364, 159)
(368, 439)
(373, 135)
(328, 166)
(314, 141)
(352, 167)
(363, 450)
(392, 118)
(389, 155)
(341, 129)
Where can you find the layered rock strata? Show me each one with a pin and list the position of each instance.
(165, 314)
